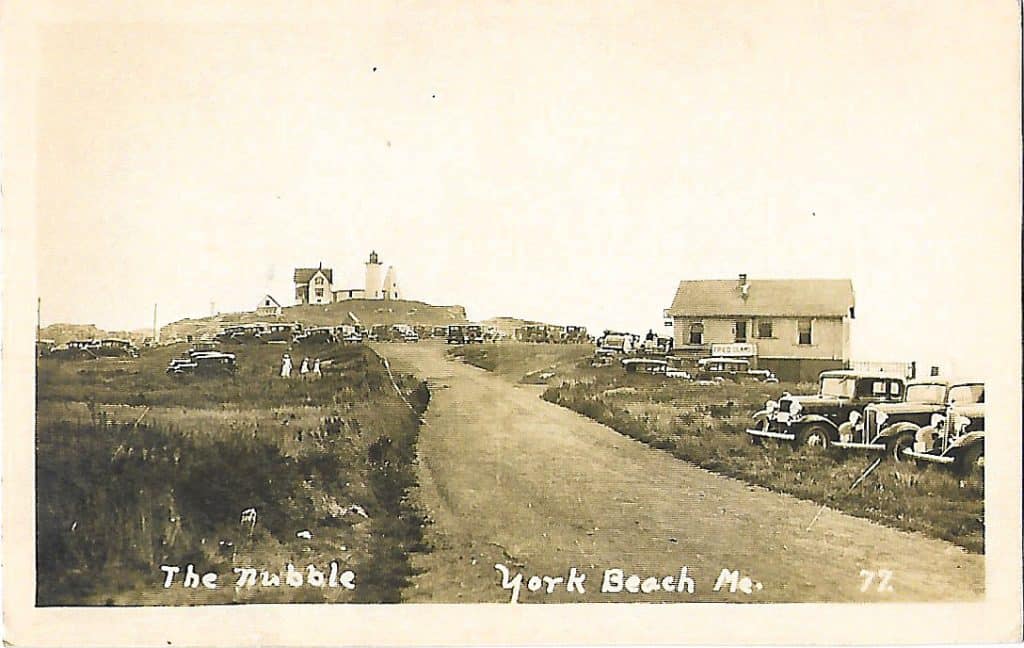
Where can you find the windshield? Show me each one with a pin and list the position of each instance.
(967, 394)
(839, 386)
(926, 393)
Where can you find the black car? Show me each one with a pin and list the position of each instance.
(891, 427)
(815, 420)
(203, 363)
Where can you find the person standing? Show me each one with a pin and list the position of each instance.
(316, 368)
(286, 366)
(305, 367)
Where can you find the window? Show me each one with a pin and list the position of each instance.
(697, 333)
(764, 328)
(741, 330)
(803, 328)
(319, 293)
(319, 281)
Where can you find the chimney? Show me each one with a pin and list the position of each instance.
(744, 286)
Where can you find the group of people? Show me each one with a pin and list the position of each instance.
(306, 369)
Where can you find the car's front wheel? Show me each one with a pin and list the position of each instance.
(972, 460)
(894, 449)
(814, 436)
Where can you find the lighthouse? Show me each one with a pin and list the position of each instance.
(390, 288)
(374, 277)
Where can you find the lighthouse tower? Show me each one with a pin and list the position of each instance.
(374, 281)
(390, 288)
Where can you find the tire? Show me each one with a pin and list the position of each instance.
(814, 436)
(894, 448)
(971, 461)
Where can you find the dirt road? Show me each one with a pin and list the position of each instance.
(508, 478)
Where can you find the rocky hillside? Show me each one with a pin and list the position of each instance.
(367, 312)
(62, 333)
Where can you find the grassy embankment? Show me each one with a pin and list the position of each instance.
(135, 469)
(705, 426)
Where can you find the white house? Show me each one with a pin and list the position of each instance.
(269, 306)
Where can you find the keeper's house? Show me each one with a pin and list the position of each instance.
(794, 327)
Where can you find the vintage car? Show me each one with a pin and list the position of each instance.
(814, 420)
(538, 333)
(954, 437)
(891, 427)
(203, 363)
(279, 333)
(116, 348)
(465, 334)
(439, 332)
(645, 365)
(575, 335)
(613, 343)
(735, 369)
(404, 333)
(45, 347)
(316, 335)
(241, 333)
(349, 333)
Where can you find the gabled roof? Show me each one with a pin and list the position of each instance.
(765, 297)
(304, 275)
(271, 298)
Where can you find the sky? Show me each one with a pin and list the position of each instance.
(564, 163)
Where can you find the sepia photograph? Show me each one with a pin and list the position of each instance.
(504, 304)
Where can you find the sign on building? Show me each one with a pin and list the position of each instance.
(737, 350)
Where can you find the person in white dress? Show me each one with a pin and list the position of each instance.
(316, 368)
(305, 367)
(286, 366)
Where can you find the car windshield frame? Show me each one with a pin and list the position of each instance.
(976, 390)
(937, 393)
(847, 386)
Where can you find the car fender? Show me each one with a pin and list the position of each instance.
(968, 440)
(846, 428)
(897, 429)
(816, 418)
(760, 416)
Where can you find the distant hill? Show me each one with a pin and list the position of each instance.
(368, 312)
(507, 325)
(62, 333)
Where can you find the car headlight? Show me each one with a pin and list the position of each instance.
(854, 417)
(771, 406)
(882, 417)
(937, 420)
(795, 408)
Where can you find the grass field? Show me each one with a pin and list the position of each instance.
(135, 469)
(522, 360)
(705, 425)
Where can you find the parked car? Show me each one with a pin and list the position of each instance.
(203, 363)
(279, 332)
(439, 332)
(240, 333)
(645, 365)
(735, 369)
(404, 333)
(316, 335)
(575, 335)
(613, 343)
(954, 437)
(814, 420)
(349, 333)
(465, 334)
(891, 427)
(45, 347)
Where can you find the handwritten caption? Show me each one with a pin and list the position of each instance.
(615, 581)
(312, 576)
